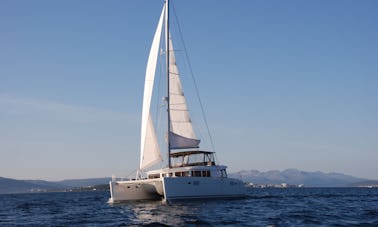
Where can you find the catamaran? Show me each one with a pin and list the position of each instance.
(191, 172)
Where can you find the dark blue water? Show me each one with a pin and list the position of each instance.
(263, 207)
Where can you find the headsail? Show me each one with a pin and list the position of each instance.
(181, 132)
(149, 147)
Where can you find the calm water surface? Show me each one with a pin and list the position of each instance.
(263, 207)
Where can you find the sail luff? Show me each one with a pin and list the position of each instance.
(149, 148)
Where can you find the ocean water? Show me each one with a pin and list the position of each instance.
(262, 207)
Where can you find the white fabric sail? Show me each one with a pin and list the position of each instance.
(180, 142)
(181, 133)
(149, 147)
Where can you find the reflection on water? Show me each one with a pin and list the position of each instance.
(183, 213)
(149, 212)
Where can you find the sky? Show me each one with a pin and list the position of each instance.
(284, 84)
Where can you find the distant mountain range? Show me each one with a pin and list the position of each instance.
(294, 176)
(289, 176)
(8, 185)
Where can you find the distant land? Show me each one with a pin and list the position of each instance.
(289, 176)
(8, 185)
(297, 177)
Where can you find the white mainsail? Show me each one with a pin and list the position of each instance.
(181, 132)
(149, 147)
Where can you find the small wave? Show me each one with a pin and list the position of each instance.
(304, 207)
(197, 222)
(155, 224)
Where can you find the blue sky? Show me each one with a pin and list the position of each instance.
(285, 84)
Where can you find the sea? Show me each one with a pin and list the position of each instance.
(266, 207)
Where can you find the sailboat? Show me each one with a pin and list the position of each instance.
(191, 173)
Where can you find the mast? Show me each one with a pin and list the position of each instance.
(167, 53)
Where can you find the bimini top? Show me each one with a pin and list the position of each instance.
(187, 153)
(193, 158)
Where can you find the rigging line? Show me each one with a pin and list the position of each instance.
(193, 78)
(128, 175)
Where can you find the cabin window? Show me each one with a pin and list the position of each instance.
(153, 176)
(206, 173)
(196, 173)
(181, 174)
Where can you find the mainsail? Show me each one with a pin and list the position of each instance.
(149, 147)
(181, 132)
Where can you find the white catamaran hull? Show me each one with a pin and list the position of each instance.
(149, 189)
(178, 188)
